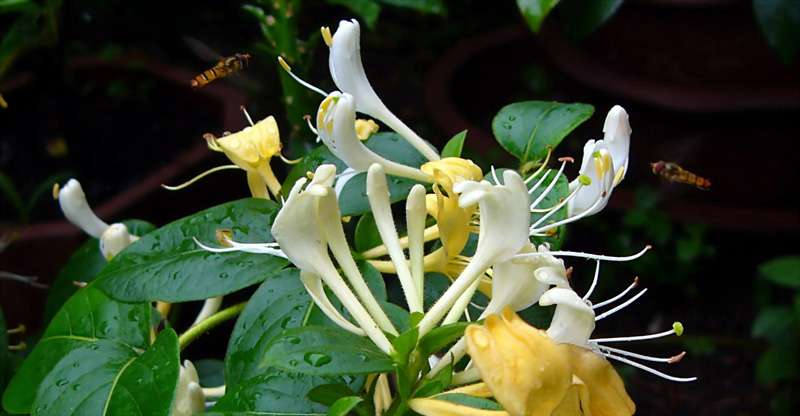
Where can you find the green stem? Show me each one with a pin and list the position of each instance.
(204, 326)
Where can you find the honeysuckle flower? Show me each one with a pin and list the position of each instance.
(348, 74)
(336, 126)
(504, 223)
(308, 224)
(77, 210)
(604, 165)
(189, 397)
(251, 150)
(521, 365)
(115, 239)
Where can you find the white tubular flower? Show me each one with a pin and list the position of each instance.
(617, 131)
(519, 285)
(115, 239)
(336, 126)
(605, 163)
(348, 74)
(189, 397)
(305, 227)
(504, 222)
(76, 209)
(573, 321)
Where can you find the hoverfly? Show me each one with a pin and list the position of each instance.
(669, 171)
(223, 68)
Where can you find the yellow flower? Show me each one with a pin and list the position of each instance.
(525, 370)
(251, 150)
(529, 374)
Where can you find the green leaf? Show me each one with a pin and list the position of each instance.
(280, 303)
(436, 384)
(328, 394)
(167, 265)
(439, 337)
(783, 271)
(773, 323)
(107, 377)
(455, 145)
(344, 405)
(277, 392)
(778, 364)
(525, 129)
(84, 266)
(780, 24)
(19, 6)
(320, 350)
(422, 6)
(404, 384)
(87, 317)
(211, 371)
(367, 10)
(581, 18)
(471, 401)
(404, 344)
(367, 235)
(535, 11)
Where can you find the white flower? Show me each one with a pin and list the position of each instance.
(604, 165)
(504, 222)
(115, 239)
(336, 127)
(76, 209)
(573, 321)
(520, 284)
(348, 74)
(307, 225)
(189, 397)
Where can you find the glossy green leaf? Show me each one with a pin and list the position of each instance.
(320, 350)
(779, 21)
(280, 303)
(84, 266)
(211, 371)
(367, 10)
(344, 405)
(87, 317)
(167, 265)
(535, 11)
(525, 129)
(422, 6)
(404, 384)
(440, 336)
(430, 386)
(580, 18)
(471, 401)
(109, 378)
(783, 271)
(277, 392)
(455, 145)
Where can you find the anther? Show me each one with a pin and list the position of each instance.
(55, 191)
(566, 159)
(677, 358)
(79, 284)
(18, 330)
(22, 346)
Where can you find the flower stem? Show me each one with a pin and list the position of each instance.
(203, 326)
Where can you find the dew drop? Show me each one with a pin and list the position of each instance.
(316, 359)
(94, 347)
(62, 382)
(506, 125)
(76, 387)
(223, 275)
(512, 118)
(76, 365)
(292, 363)
(363, 358)
(293, 340)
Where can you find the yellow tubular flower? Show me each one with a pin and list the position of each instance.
(251, 149)
(604, 393)
(526, 371)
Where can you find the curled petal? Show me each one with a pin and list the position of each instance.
(573, 321)
(606, 392)
(73, 203)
